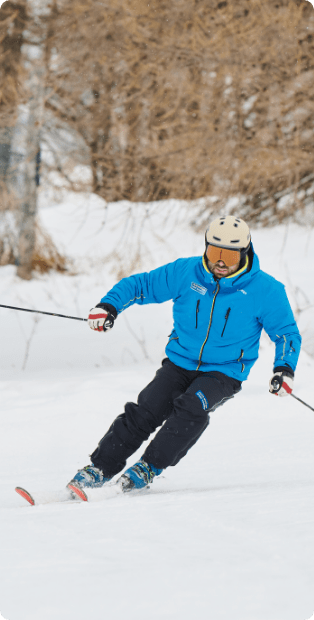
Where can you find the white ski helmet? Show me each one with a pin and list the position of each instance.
(229, 232)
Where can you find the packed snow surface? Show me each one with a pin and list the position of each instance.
(228, 533)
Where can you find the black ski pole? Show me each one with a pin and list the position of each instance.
(277, 385)
(63, 316)
(302, 401)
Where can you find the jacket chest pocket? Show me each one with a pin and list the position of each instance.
(240, 360)
(226, 321)
(196, 312)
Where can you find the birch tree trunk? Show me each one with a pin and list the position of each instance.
(25, 142)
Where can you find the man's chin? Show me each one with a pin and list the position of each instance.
(221, 273)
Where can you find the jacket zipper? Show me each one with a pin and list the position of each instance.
(197, 311)
(209, 326)
(226, 321)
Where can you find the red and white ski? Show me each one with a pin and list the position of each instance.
(78, 492)
(67, 495)
(26, 495)
(74, 494)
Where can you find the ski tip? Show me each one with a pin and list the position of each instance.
(78, 492)
(26, 495)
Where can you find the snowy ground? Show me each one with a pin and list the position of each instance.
(227, 534)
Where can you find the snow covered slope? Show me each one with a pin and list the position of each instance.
(228, 533)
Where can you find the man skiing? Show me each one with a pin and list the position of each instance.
(221, 303)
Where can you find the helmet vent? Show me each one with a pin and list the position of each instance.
(230, 232)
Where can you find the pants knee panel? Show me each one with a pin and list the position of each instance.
(190, 406)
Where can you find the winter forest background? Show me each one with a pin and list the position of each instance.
(193, 100)
(124, 127)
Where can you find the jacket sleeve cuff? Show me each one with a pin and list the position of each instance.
(286, 369)
(108, 307)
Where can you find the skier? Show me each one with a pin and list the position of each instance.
(221, 303)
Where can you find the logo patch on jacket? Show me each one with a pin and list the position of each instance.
(203, 399)
(198, 288)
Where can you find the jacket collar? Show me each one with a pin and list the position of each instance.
(243, 276)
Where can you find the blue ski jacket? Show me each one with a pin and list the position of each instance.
(216, 324)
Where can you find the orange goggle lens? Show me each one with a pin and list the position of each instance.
(229, 257)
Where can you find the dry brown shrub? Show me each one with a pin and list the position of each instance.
(183, 100)
(13, 20)
(46, 255)
(160, 93)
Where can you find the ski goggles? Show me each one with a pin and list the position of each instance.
(215, 253)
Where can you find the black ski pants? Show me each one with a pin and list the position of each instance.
(180, 400)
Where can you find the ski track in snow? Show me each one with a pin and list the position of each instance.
(227, 534)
